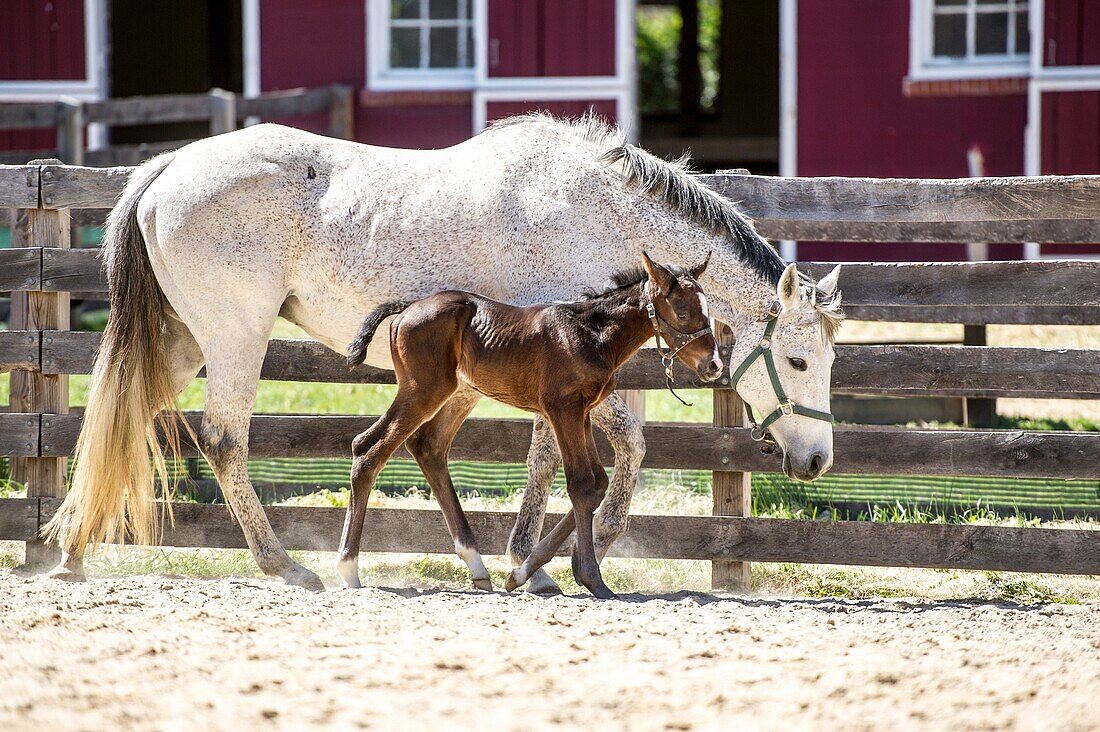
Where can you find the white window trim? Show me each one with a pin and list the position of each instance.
(923, 67)
(482, 97)
(380, 77)
(92, 87)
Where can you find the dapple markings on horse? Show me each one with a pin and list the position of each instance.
(557, 360)
(209, 244)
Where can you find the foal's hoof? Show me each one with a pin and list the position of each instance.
(542, 585)
(485, 584)
(510, 582)
(67, 574)
(299, 576)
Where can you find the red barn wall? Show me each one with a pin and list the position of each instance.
(853, 118)
(40, 41)
(314, 44)
(1072, 29)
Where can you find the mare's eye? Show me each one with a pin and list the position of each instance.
(798, 363)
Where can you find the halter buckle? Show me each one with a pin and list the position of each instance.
(786, 408)
(765, 343)
(775, 309)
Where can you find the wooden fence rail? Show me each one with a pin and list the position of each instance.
(1003, 209)
(221, 110)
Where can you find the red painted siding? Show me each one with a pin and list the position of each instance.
(853, 119)
(1072, 30)
(605, 108)
(42, 40)
(1071, 145)
(551, 38)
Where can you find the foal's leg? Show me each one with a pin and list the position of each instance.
(543, 460)
(429, 445)
(412, 407)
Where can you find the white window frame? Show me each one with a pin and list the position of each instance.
(924, 66)
(380, 77)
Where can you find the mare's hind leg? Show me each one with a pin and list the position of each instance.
(543, 460)
(413, 406)
(233, 360)
(429, 445)
(184, 361)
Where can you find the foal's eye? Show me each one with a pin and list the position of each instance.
(798, 363)
(681, 314)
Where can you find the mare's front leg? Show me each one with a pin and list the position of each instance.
(543, 460)
(370, 451)
(623, 430)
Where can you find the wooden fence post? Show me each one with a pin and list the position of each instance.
(341, 114)
(980, 411)
(731, 491)
(70, 131)
(223, 111)
(32, 391)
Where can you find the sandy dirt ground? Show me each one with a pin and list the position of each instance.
(165, 653)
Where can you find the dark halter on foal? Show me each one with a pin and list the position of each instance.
(676, 340)
(786, 406)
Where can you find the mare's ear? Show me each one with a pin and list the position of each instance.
(658, 274)
(698, 270)
(787, 289)
(828, 283)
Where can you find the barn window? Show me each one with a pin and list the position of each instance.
(969, 37)
(421, 44)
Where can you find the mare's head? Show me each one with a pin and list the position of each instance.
(791, 394)
(680, 315)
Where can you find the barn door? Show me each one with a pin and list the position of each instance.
(559, 56)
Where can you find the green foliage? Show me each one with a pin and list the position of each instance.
(1024, 591)
(658, 49)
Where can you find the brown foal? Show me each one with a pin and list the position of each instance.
(555, 360)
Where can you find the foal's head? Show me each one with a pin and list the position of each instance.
(682, 317)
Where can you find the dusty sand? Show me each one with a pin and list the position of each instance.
(165, 653)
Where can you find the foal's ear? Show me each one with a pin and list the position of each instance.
(698, 270)
(658, 274)
(787, 289)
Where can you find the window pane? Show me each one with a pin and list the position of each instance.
(992, 33)
(1023, 35)
(945, 3)
(469, 61)
(404, 48)
(443, 9)
(949, 35)
(404, 8)
(444, 48)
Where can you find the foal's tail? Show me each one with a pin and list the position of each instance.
(357, 351)
(112, 484)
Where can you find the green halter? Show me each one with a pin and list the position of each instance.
(786, 407)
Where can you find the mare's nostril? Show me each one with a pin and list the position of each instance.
(816, 461)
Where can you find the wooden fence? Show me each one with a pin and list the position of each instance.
(39, 432)
(221, 110)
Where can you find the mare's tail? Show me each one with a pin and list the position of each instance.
(112, 494)
(357, 351)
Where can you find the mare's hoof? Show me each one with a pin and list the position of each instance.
(299, 576)
(485, 584)
(541, 585)
(67, 574)
(510, 583)
(604, 593)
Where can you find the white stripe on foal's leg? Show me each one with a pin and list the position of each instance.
(349, 570)
(478, 571)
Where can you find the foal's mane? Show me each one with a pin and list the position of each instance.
(670, 183)
(628, 277)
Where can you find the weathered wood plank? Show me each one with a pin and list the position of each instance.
(124, 155)
(19, 350)
(18, 518)
(1063, 551)
(157, 109)
(72, 186)
(27, 115)
(18, 434)
(858, 450)
(20, 269)
(1047, 208)
(286, 103)
(978, 371)
(18, 186)
(1059, 292)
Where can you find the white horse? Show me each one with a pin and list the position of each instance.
(208, 245)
